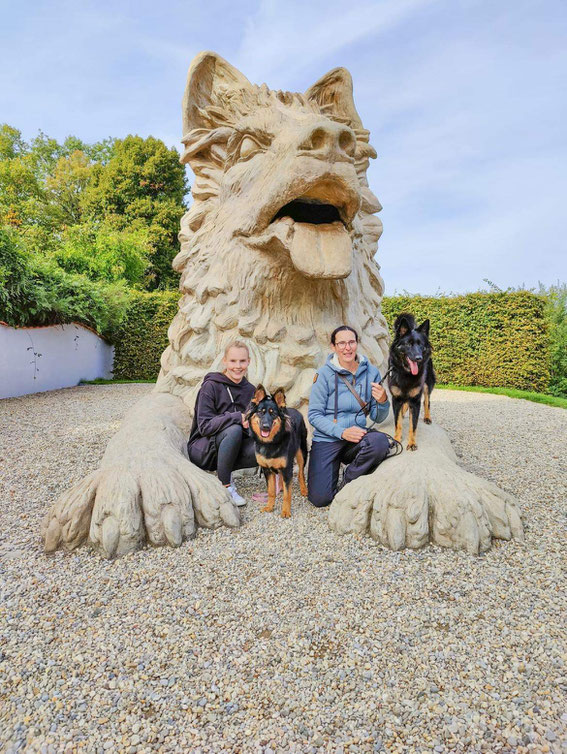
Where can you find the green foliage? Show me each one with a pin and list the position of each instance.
(142, 335)
(488, 339)
(36, 291)
(556, 311)
(104, 254)
(65, 186)
(131, 191)
(142, 186)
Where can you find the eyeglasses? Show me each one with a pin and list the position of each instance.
(342, 344)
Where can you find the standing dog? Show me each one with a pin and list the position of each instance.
(411, 374)
(281, 437)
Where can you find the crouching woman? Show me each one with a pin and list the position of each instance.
(219, 438)
(340, 423)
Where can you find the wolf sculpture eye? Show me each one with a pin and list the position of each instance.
(248, 148)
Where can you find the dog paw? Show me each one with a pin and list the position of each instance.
(427, 421)
(286, 514)
(411, 446)
(267, 509)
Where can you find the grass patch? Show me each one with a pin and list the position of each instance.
(549, 400)
(100, 381)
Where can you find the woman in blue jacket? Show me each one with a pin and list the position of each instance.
(340, 424)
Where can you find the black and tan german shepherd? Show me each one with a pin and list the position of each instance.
(280, 435)
(411, 374)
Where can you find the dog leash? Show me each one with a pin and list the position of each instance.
(394, 444)
(384, 377)
(366, 409)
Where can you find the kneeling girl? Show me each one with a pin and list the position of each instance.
(219, 438)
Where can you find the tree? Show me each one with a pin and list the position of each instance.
(119, 196)
(65, 186)
(21, 190)
(142, 185)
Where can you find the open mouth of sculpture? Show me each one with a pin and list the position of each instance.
(317, 231)
(309, 211)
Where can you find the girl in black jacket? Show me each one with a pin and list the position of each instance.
(219, 436)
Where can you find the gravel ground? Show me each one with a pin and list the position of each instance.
(282, 637)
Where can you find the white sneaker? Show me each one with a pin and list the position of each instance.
(236, 498)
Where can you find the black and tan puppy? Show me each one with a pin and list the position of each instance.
(411, 374)
(281, 437)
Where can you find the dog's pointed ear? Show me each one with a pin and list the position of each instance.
(424, 328)
(403, 326)
(279, 397)
(259, 395)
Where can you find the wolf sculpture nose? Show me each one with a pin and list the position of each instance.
(328, 140)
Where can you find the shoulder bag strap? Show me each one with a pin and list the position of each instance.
(362, 404)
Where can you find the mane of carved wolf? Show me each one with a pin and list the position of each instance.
(279, 285)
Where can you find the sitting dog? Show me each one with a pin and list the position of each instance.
(411, 374)
(281, 437)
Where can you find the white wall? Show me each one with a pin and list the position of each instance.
(34, 359)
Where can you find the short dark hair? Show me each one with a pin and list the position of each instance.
(340, 329)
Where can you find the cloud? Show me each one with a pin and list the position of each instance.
(281, 41)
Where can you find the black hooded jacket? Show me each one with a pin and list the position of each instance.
(220, 403)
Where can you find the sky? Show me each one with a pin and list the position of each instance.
(465, 101)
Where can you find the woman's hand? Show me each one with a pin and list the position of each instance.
(244, 421)
(353, 434)
(378, 392)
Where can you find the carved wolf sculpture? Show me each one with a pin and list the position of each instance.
(277, 249)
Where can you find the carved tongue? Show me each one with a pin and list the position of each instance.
(413, 366)
(321, 251)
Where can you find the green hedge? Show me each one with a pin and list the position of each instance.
(141, 337)
(486, 339)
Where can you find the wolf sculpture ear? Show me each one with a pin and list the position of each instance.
(424, 328)
(259, 395)
(333, 92)
(211, 85)
(279, 397)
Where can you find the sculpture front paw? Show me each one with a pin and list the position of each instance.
(414, 499)
(125, 504)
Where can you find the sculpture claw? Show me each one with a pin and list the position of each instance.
(172, 525)
(110, 535)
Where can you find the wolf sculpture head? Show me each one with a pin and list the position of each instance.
(278, 246)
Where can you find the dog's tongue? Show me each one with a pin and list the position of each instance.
(413, 366)
(321, 251)
(265, 432)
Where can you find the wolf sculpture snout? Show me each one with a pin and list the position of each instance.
(328, 141)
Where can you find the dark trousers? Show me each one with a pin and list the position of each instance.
(325, 459)
(235, 450)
